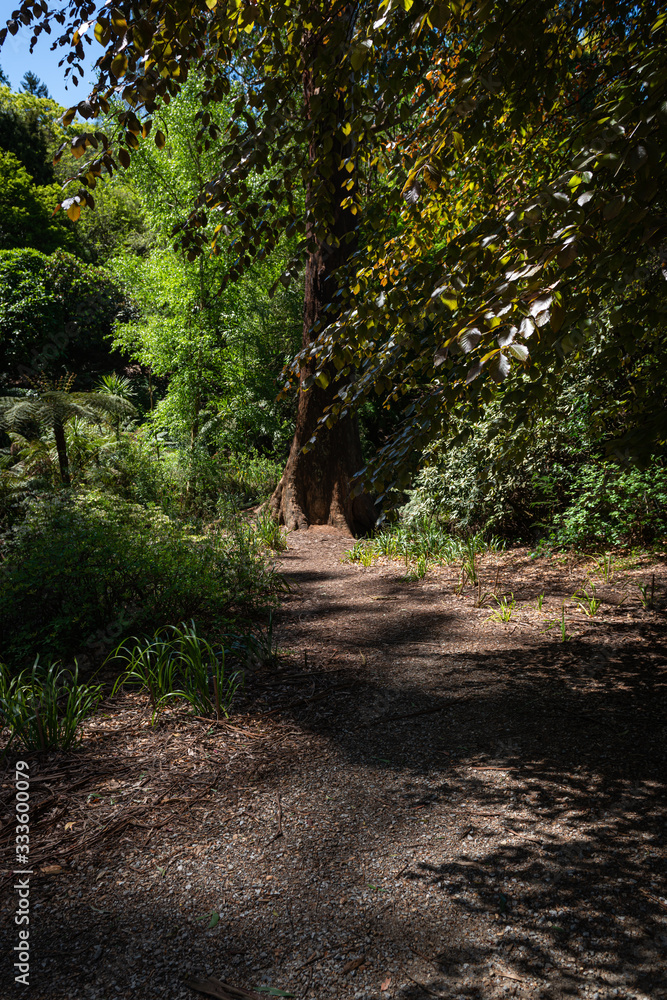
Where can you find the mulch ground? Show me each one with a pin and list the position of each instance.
(416, 801)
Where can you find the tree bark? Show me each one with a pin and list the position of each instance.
(315, 486)
(61, 448)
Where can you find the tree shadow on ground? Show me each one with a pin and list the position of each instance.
(530, 773)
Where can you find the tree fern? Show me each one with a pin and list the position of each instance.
(52, 405)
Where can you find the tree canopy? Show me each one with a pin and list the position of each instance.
(56, 316)
(500, 168)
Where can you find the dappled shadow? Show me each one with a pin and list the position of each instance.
(483, 812)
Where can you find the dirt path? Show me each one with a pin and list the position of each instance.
(468, 808)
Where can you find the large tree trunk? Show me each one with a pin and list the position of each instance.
(315, 486)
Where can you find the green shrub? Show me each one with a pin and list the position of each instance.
(608, 506)
(548, 482)
(43, 706)
(81, 567)
(130, 469)
(56, 315)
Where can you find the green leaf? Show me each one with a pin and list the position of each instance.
(359, 52)
(614, 207)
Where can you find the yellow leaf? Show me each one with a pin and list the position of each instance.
(119, 23)
(119, 65)
(101, 33)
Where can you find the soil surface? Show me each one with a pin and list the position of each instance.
(417, 800)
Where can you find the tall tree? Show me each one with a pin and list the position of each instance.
(302, 89)
(524, 157)
(31, 84)
(30, 129)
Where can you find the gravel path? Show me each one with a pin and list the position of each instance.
(417, 802)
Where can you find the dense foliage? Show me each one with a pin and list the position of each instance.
(78, 571)
(31, 129)
(56, 316)
(524, 172)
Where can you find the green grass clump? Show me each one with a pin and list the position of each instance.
(43, 706)
(177, 664)
(422, 543)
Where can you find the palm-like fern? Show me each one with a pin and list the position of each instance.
(52, 406)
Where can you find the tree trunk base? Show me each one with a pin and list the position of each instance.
(315, 486)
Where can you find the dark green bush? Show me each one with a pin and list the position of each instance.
(79, 570)
(545, 480)
(609, 506)
(56, 315)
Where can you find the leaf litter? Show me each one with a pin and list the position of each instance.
(487, 803)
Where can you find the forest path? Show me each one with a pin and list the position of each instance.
(415, 801)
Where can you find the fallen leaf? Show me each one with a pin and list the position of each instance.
(52, 869)
(386, 984)
(506, 974)
(354, 963)
(68, 826)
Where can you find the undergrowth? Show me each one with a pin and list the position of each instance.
(79, 570)
(421, 543)
(43, 706)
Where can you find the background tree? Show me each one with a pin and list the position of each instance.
(26, 211)
(31, 84)
(29, 129)
(56, 315)
(220, 352)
